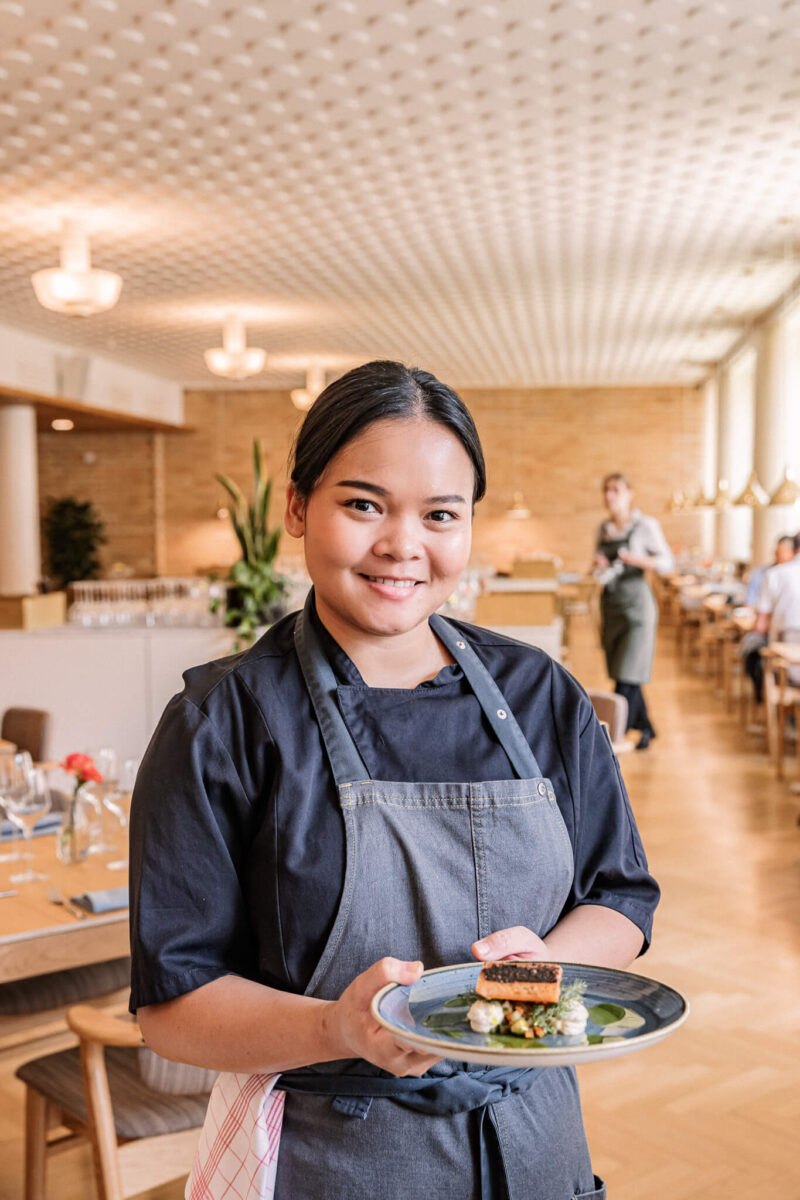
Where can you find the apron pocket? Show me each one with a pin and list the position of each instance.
(599, 1192)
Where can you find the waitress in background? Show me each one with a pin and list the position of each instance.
(628, 544)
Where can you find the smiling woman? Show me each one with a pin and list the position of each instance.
(369, 789)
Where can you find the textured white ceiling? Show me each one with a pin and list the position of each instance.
(507, 193)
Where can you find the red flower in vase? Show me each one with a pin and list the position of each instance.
(82, 767)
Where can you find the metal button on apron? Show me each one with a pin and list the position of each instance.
(542, 790)
(501, 712)
(461, 645)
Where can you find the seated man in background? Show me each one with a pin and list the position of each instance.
(784, 552)
(778, 606)
(753, 642)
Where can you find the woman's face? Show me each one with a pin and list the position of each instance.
(388, 526)
(617, 496)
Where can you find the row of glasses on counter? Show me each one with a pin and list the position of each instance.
(132, 603)
(26, 795)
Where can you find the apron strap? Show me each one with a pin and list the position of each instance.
(347, 764)
(491, 700)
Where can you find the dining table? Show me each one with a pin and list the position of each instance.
(38, 935)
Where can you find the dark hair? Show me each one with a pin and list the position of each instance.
(617, 476)
(379, 391)
(796, 540)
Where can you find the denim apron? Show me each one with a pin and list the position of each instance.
(430, 868)
(629, 616)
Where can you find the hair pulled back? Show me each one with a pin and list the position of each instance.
(617, 477)
(379, 391)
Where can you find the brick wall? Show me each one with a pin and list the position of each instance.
(553, 445)
(116, 472)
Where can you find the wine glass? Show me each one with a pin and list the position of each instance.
(26, 798)
(127, 778)
(103, 796)
(11, 764)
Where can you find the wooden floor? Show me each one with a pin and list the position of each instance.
(714, 1111)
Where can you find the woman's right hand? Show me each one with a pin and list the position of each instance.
(601, 562)
(351, 1031)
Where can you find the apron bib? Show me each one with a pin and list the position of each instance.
(430, 868)
(629, 617)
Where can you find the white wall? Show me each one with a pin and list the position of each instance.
(29, 362)
(102, 687)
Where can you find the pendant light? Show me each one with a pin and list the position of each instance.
(234, 359)
(722, 496)
(754, 495)
(519, 510)
(303, 398)
(75, 288)
(787, 491)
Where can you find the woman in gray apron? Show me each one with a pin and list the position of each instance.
(371, 789)
(629, 544)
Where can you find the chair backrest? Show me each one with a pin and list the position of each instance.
(27, 728)
(172, 1078)
(515, 608)
(793, 674)
(613, 709)
(533, 568)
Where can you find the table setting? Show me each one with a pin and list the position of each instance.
(62, 907)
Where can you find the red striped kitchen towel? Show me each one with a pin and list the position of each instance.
(237, 1156)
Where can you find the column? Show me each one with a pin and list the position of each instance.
(709, 474)
(770, 453)
(735, 453)
(20, 556)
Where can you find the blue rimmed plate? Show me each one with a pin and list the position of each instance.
(626, 1013)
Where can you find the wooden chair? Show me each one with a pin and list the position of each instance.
(36, 1007)
(781, 699)
(140, 1137)
(27, 728)
(611, 709)
(515, 608)
(534, 568)
(690, 619)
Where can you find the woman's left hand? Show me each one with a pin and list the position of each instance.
(518, 942)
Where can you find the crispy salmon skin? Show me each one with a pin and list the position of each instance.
(536, 982)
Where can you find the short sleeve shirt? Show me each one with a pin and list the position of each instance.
(780, 597)
(237, 839)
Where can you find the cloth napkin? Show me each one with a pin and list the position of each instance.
(104, 901)
(46, 824)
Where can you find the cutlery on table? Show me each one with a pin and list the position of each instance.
(57, 897)
(5, 895)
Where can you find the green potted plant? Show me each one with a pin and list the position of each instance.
(73, 532)
(255, 588)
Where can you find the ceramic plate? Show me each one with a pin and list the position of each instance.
(626, 1013)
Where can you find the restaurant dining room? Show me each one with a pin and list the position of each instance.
(363, 361)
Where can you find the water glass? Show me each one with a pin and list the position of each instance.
(26, 798)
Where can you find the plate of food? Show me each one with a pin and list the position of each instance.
(530, 1014)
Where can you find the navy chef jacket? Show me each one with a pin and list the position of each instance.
(237, 840)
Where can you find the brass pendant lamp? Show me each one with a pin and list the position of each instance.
(753, 495)
(787, 492)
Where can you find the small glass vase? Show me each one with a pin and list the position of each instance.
(74, 837)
